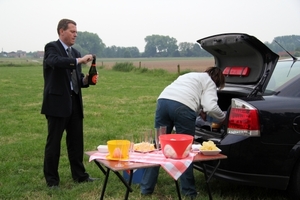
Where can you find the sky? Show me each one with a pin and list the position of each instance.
(28, 25)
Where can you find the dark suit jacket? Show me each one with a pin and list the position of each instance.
(57, 67)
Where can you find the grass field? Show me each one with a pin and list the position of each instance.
(119, 104)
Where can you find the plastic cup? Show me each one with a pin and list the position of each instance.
(159, 131)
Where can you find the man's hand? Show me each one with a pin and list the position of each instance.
(203, 115)
(85, 79)
(85, 59)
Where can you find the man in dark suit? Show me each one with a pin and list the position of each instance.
(62, 103)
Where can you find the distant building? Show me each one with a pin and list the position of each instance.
(18, 54)
(12, 54)
(38, 54)
(21, 54)
(3, 54)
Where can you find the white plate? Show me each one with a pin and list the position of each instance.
(210, 153)
(102, 148)
(196, 147)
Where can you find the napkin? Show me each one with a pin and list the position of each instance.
(174, 167)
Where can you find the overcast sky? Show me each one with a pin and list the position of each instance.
(29, 24)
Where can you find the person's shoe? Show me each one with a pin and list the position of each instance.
(89, 179)
(193, 197)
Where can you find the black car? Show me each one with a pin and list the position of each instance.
(261, 133)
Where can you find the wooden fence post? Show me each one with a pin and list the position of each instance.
(178, 69)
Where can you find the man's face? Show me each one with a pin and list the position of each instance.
(68, 36)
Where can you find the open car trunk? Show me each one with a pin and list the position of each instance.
(247, 65)
(244, 60)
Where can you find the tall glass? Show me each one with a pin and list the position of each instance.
(131, 149)
(148, 140)
(159, 131)
(119, 145)
(163, 129)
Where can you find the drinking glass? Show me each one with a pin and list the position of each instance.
(119, 145)
(131, 149)
(150, 136)
(163, 130)
(156, 137)
(147, 139)
(159, 131)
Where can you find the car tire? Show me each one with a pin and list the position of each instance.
(294, 185)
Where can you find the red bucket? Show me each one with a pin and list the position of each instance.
(176, 146)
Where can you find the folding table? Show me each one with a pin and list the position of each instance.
(111, 165)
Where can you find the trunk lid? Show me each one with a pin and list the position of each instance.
(244, 60)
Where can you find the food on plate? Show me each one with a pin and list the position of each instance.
(208, 146)
(143, 147)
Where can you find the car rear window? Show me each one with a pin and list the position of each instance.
(283, 72)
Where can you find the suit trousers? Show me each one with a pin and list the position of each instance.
(74, 140)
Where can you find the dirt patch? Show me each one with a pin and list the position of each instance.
(171, 65)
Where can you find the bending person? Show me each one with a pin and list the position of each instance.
(178, 105)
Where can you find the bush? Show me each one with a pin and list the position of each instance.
(123, 67)
(129, 67)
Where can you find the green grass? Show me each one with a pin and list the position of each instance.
(121, 103)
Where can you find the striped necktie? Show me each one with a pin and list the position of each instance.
(74, 77)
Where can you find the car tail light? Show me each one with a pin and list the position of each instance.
(243, 119)
(236, 71)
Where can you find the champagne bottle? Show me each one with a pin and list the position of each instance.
(93, 74)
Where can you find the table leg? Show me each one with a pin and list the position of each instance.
(214, 171)
(104, 184)
(100, 167)
(123, 181)
(178, 190)
(106, 173)
(207, 178)
(129, 183)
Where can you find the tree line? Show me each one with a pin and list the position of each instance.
(156, 46)
(166, 46)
